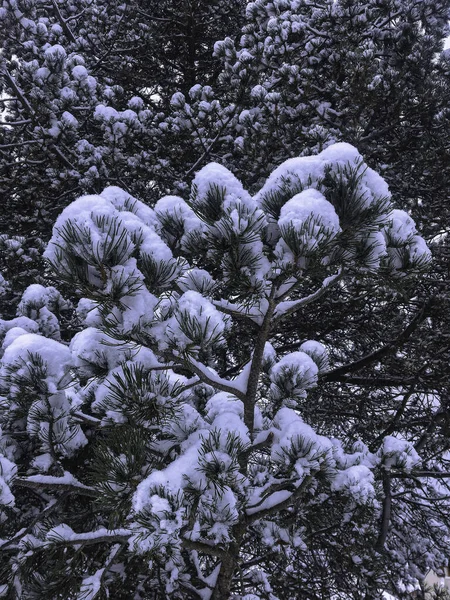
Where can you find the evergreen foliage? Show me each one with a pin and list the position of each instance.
(175, 447)
(156, 369)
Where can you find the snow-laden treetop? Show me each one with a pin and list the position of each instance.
(182, 305)
(329, 210)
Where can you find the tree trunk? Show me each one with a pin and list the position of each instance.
(225, 578)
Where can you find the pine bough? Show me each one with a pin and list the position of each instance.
(162, 452)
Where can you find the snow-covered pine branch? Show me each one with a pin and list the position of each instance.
(191, 471)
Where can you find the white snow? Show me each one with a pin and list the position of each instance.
(396, 452)
(197, 280)
(226, 415)
(288, 429)
(419, 250)
(56, 357)
(8, 471)
(308, 171)
(270, 502)
(312, 215)
(91, 585)
(214, 174)
(50, 480)
(357, 481)
(208, 323)
(11, 335)
(317, 352)
(55, 53)
(401, 237)
(298, 368)
(172, 478)
(24, 323)
(401, 226)
(177, 209)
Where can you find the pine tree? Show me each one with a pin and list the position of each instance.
(177, 447)
(83, 88)
(306, 74)
(86, 89)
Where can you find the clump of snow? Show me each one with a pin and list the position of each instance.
(172, 478)
(357, 481)
(341, 155)
(89, 214)
(159, 389)
(11, 335)
(317, 352)
(306, 175)
(195, 324)
(92, 348)
(38, 296)
(42, 462)
(10, 330)
(23, 322)
(55, 54)
(115, 237)
(175, 214)
(216, 177)
(80, 73)
(404, 247)
(290, 431)
(226, 415)
(401, 227)
(44, 363)
(311, 219)
(56, 357)
(136, 310)
(396, 452)
(91, 585)
(374, 244)
(42, 304)
(419, 251)
(8, 471)
(124, 202)
(292, 375)
(197, 280)
(88, 313)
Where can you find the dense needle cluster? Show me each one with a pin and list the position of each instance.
(165, 449)
(224, 367)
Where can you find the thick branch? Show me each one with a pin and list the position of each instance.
(203, 547)
(336, 374)
(62, 484)
(386, 514)
(63, 22)
(235, 311)
(287, 308)
(18, 91)
(213, 380)
(94, 537)
(255, 368)
(430, 474)
(265, 512)
(44, 513)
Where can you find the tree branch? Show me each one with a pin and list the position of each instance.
(44, 513)
(213, 380)
(203, 547)
(381, 352)
(386, 514)
(63, 22)
(265, 512)
(63, 484)
(285, 309)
